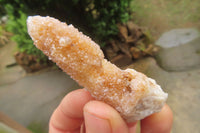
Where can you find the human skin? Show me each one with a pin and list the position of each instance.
(78, 112)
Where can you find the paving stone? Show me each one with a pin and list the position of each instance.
(9, 74)
(177, 37)
(34, 98)
(181, 52)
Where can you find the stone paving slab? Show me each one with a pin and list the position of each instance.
(33, 98)
(177, 37)
(12, 74)
(180, 58)
(6, 54)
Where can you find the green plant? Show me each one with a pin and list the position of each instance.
(1, 30)
(2, 11)
(17, 25)
(36, 127)
(100, 17)
(103, 16)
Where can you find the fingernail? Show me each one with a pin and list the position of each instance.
(95, 124)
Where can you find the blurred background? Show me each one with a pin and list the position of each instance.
(160, 38)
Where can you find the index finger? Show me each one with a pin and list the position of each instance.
(68, 116)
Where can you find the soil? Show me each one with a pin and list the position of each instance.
(132, 42)
(30, 63)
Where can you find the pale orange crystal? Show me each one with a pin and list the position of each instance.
(127, 91)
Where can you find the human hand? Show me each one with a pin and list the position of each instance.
(79, 113)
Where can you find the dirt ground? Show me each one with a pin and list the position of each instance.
(162, 15)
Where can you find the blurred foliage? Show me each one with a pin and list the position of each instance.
(36, 127)
(99, 18)
(2, 10)
(104, 15)
(1, 30)
(17, 25)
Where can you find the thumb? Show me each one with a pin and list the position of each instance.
(102, 118)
